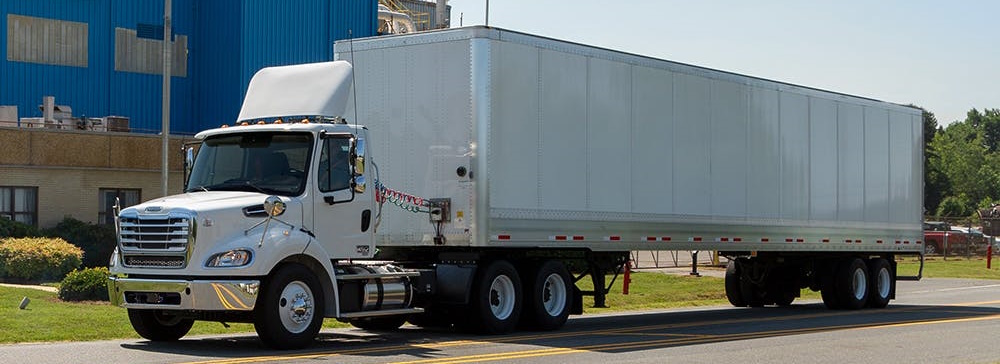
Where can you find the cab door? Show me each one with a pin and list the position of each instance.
(342, 208)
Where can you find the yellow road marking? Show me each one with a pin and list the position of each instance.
(643, 344)
(688, 338)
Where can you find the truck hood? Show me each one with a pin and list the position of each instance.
(227, 208)
(202, 201)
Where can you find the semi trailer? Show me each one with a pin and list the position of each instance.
(473, 176)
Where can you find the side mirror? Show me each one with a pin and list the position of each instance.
(358, 164)
(188, 163)
(274, 206)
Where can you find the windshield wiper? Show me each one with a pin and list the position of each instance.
(193, 189)
(237, 185)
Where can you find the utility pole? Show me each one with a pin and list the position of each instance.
(165, 169)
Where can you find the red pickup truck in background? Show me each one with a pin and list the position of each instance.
(940, 237)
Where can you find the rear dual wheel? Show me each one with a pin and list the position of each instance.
(495, 302)
(857, 283)
(880, 286)
(548, 297)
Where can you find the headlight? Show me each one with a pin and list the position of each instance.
(114, 258)
(232, 258)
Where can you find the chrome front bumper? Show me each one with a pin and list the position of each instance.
(207, 295)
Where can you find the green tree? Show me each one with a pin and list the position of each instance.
(954, 206)
(935, 181)
(964, 160)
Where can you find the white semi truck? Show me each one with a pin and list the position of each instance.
(473, 176)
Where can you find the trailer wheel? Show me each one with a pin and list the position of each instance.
(548, 297)
(733, 292)
(880, 286)
(289, 311)
(786, 296)
(852, 284)
(157, 325)
(495, 304)
(828, 288)
(382, 323)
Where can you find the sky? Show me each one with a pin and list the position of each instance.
(942, 55)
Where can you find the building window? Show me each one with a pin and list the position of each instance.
(127, 197)
(19, 204)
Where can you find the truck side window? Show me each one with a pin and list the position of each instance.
(334, 169)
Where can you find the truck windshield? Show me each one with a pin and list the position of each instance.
(270, 163)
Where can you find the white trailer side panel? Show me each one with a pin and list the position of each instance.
(585, 147)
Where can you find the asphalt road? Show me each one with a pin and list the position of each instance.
(933, 321)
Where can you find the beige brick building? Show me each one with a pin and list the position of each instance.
(46, 175)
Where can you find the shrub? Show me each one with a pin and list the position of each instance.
(97, 241)
(38, 259)
(90, 284)
(13, 229)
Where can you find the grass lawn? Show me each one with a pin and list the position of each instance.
(938, 267)
(49, 319)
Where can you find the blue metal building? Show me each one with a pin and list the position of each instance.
(103, 57)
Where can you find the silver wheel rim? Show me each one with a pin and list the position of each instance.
(554, 294)
(883, 283)
(295, 307)
(502, 297)
(860, 284)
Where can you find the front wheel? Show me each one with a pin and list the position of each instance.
(289, 312)
(495, 304)
(158, 325)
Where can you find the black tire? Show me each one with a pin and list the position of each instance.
(753, 294)
(495, 303)
(289, 311)
(382, 323)
(434, 317)
(880, 283)
(159, 325)
(828, 288)
(548, 296)
(733, 292)
(851, 284)
(785, 297)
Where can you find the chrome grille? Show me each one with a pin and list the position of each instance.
(154, 261)
(155, 241)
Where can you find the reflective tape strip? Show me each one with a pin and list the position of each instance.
(577, 237)
(558, 237)
(613, 238)
(501, 237)
(694, 238)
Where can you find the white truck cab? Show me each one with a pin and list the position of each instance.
(269, 207)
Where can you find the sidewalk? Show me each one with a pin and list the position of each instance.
(40, 288)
